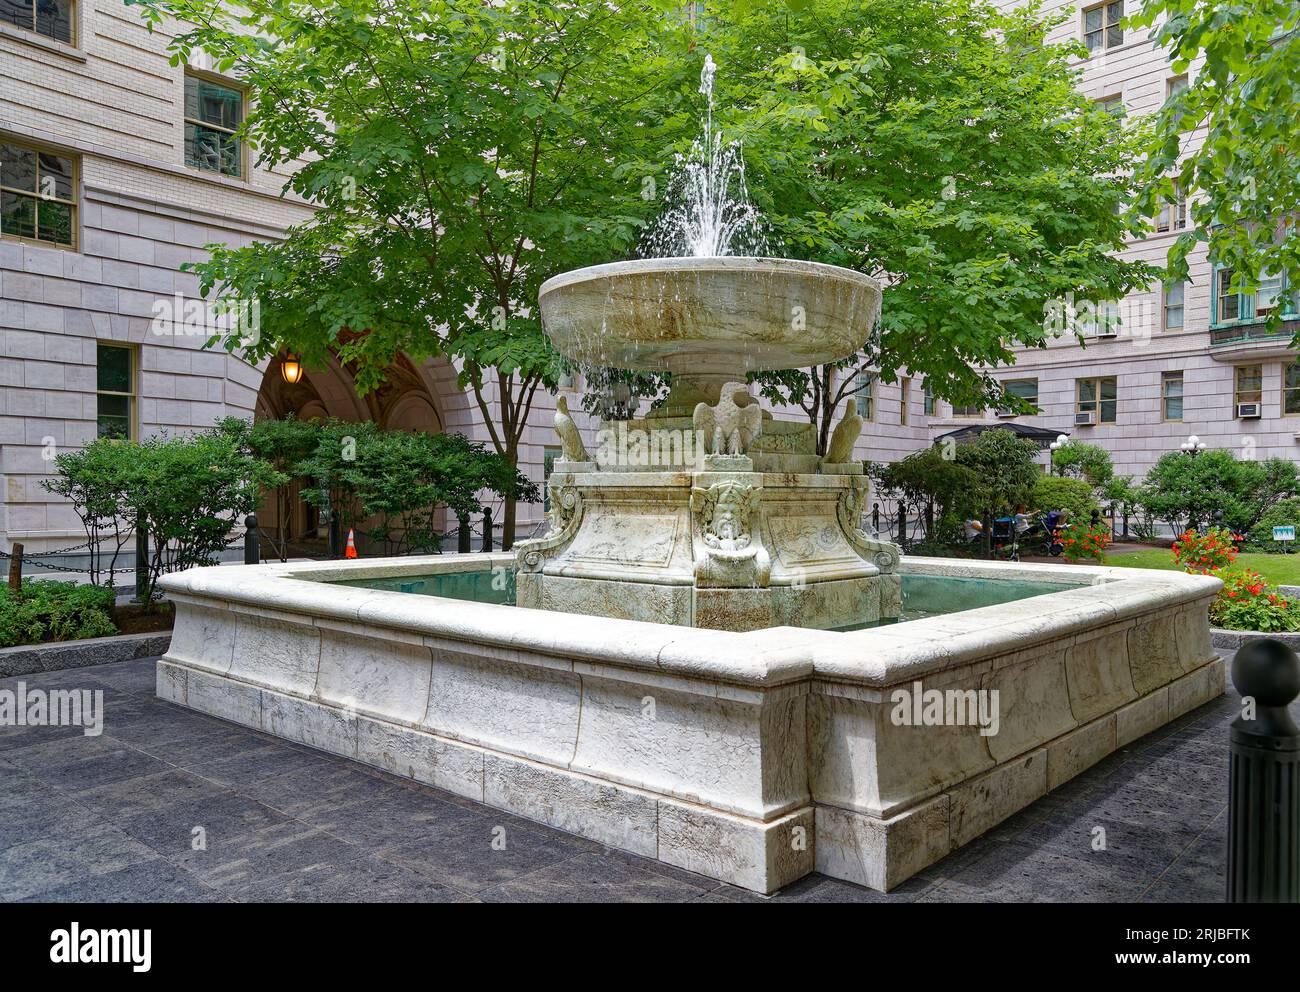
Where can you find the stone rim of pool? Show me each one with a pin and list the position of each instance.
(752, 757)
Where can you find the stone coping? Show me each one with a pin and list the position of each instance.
(1221, 637)
(27, 659)
(876, 657)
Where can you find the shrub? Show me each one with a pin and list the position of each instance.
(1089, 462)
(1246, 602)
(54, 611)
(1185, 491)
(1284, 514)
(1081, 540)
(95, 480)
(1072, 495)
(1205, 554)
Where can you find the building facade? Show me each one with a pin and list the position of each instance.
(117, 167)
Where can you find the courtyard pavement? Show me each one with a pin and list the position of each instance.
(118, 817)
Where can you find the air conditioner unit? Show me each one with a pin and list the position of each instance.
(1248, 411)
(1006, 411)
(1085, 419)
(1108, 332)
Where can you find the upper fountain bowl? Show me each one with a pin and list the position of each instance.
(709, 320)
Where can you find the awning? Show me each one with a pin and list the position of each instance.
(1041, 435)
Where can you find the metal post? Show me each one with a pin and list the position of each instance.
(875, 519)
(16, 569)
(252, 548)
(463, 535)
(988, 533)
(487, 528)
(141, 558)
(1264, 777)
(902, 523)
(336, 536)
(1218, 518)
(1095, 521)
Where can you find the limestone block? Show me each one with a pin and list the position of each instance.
(278, 654)
(513, 707)
(169, 680)
(613, 815)
(1192, 634)
(1080, 749)
(881, 853)
(455, 768)
(328, 728)
(384, 678)
(1142, 717)
(733, 609)
(1098, 674)
(624, 600)
(203, 636)
(763, 857)
(1033, 704)
(986, 801)
(225, 698)
(1153, 653)
(1198, 687)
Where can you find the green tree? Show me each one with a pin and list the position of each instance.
(95, 480)
(1244, 179)
(1186, 490)
(942, 146)
(1089, 462)
(459, 152)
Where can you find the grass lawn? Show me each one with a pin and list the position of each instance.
(1276, 569)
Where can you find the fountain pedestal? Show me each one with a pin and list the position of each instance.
(730, 550)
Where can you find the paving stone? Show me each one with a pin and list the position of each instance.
(156, 880)
(592, 878)
(56, 861)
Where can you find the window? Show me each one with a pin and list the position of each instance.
(1171, 396)
(967, 411)
(1228, 303)
(1175, 87)
(1173, 306)
(115, 384)
(52, 18)
(1249, 385)
(865, 395)
(1268, 293)
(1102, 27)
(904, 387)
(37, 195)
(1113, 105)
(1291, 389)
(1099, 318)
(1173, 213)
(927, 399)
(1025, 389)
(1099, 397)
(550, 455)
(212, 114)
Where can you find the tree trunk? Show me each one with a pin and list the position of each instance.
(508, 524)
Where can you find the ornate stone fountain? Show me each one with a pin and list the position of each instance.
(708, 512)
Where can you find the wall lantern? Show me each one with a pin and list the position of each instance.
(291, 368)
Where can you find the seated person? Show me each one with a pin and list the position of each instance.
(974, 529)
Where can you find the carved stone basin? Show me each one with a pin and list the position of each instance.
(709, 320)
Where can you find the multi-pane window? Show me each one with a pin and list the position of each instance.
(115, 385)
(1103, 26)
(1098, 397)
(1173, 305)
(212, 115)
(1175, 86)
(1025, 389)
(969, 410)
(927, 399)
(1113, 105)
(1291, 388)
(1171, 396)
(904, 387)
(37, 195)
(1249, 384)
(1228, 301)
(52, 18)
(1099, 318)
(865, 395)
(1269, 292)
(1173, 213)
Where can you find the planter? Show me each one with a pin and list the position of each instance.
(26, 659)
(1231, 640)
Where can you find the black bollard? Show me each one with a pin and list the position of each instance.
(902, 523)
(252, 550)
(487, 528)
(875, 519)
(463, 535)
(1095, 520)
(1264, 777)
(141, 558)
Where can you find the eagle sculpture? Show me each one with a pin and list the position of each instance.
(730, 426)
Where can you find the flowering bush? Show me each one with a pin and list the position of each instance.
(1247, 603)
(1205, 554)
(1081, 541)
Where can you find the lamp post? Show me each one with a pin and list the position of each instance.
(1060, 442)
(1193, 445)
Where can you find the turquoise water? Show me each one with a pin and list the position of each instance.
(923, 595)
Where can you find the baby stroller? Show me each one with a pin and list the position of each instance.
(1048, 530)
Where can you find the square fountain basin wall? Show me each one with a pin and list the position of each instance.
(754, 758)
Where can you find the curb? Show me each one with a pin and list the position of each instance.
(27, 659)
(1233, 639)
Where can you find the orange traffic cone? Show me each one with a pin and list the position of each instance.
(351, 551)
